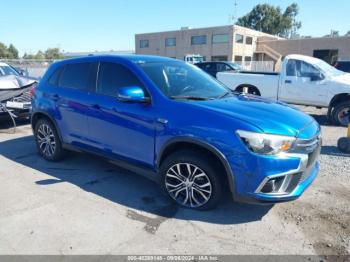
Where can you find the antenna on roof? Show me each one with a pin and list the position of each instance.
(233, 17)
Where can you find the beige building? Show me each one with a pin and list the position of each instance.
(327, 48)
(221, 43)
(238, 44)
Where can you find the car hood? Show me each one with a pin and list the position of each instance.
(269, 116)
(342, 79)
(12, 82)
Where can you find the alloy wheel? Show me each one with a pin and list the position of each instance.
(343, 116)
(188, 185)
(46, 140)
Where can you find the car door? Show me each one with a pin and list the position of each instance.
(72, 100)
(122, 129)
(300, 86)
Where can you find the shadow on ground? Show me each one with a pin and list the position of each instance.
(135, 192)
(333, 151)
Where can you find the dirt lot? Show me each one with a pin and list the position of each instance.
(85, 205)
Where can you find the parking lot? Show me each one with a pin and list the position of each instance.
(85, 205)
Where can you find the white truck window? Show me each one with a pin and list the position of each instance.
(292, 68)
(307, 70)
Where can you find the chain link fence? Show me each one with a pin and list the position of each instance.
(31, 68)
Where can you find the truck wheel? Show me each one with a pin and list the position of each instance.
(340, 114)
(248, 89)
(190, 180)
(48, 141)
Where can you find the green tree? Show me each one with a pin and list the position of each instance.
(53, 53)
(3, 51)
(270, 19)
(13, 52)
(39, 55)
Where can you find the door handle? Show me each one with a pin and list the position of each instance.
(96, 106)
(288, 81)
(55, 97)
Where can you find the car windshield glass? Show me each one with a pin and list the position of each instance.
(7, 70)
(328, 69)
(182, 80)
(235, 66)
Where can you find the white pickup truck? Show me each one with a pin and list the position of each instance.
(303, 80)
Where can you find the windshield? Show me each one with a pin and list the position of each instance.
(327, 68)
(182, 80)
(7, 70)
(235, 66)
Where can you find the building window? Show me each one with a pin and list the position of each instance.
(239, 38)
(220, 38)
(199, 40)
(238, 58)
(170, 41)
(144, 43)
(249, 40)
(219, 58)
(248, 60)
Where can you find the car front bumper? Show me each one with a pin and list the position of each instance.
(273, 179)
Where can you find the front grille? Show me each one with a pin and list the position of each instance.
(311, 147)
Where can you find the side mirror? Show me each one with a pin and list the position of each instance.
(316, 77)
(132, 94)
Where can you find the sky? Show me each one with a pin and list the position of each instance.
(89, 25)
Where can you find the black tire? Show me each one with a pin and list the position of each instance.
(251, 90)
(344, 144)
(45, 130)
(212, 174)
(338, 111)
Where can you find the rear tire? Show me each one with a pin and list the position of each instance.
(340, 114)
(191, 180)
(47, 140)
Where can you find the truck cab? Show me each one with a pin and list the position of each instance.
(194, 58)
(303, 80)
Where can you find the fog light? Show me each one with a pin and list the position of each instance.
(273, 185)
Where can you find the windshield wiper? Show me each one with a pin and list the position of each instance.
(228, 93)
(199, 98)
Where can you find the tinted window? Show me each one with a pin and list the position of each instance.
(178, 79)
(210, 67)
(113, 76)
(53, 80)
(199, 40)
(223, 67)
(76, 76)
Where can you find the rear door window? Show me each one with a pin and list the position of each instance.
(77, 76)
(112, 76)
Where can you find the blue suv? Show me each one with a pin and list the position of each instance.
(175, 124)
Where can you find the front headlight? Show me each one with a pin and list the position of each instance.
(266, 144)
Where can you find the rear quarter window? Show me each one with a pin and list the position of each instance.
(76, 76)
(53, 80)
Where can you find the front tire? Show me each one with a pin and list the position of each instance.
(191, 180)
(340, 114)
(47, 140)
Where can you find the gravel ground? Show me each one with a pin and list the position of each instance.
(85, 205)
